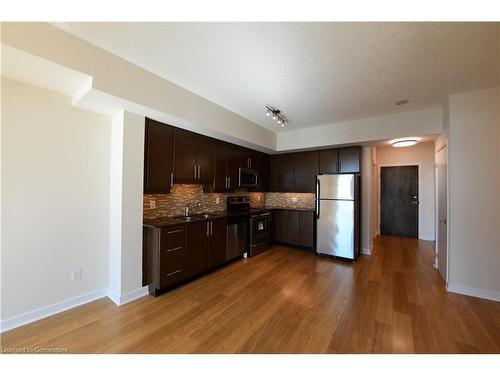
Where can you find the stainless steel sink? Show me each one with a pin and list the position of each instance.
(194, 216)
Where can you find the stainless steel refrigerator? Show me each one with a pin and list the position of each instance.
(337, 215)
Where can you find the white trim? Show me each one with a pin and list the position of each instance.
(420, 184)
(128, 297)
(479, 293)
(43, 312)
(442, 147)
(426, 237)
(368, 251)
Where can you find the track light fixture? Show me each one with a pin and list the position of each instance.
(276, 115)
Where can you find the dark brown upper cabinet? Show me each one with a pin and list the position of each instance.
(306, 171)
(350, 159)
(264, 171)
(248, 158)
(194, 158)
(282, 173)
(294, 172)
(340, 160)
(329, 161)
(226, 167)
(158, 157)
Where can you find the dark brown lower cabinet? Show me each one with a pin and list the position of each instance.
(197, 234)
(217, 242)
(293, 227)
(164, 253)
(306, 232)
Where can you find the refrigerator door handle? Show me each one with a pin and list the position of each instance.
(317, 198)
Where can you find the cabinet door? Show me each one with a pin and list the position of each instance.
(264, 172)
(253, 159)
(197, 235)
(306, 223)
(217, 243)
(185, 156)
(329, 161)
(278, 226)
(205, 153)
(292, 227)
(350, 160)
(232, 167)
(282, 173)
(306, 170)
(220, 170)
(158, 157)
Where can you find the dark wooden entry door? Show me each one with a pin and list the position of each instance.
(399, 201)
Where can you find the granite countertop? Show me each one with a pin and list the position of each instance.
(175, 220)
(292, 208)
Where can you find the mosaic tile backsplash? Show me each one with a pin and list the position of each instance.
(304, 201)
(173, 204)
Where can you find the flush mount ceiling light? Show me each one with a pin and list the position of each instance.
(404, 143)
(276, 115)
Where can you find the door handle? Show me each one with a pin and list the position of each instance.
(444, 221)
(317, 198)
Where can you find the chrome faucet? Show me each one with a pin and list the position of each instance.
(189, 206)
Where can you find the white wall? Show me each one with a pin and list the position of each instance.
(367, 233)
(133, 88)
(55, 199)
(397, 125)
(126, 195)
(423, 154)
(474, 193)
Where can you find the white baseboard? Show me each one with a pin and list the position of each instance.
(480, 293)
(128, 297)
(367, 251)
(426, 237)
(37, 314)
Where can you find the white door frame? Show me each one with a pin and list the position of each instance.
(419, 165)
(441, 147)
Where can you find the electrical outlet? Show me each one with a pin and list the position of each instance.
(152, 203)
(294, 199)
(217, 200)
(76, 275)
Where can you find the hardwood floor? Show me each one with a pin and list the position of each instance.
(287, 301)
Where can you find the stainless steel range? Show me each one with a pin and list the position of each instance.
(259, 220)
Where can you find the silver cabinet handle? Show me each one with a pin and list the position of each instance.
(171, 179)
(174, 249)
(195, 171)
(174, 231)
(199, 171)
(225, 185)
(211, 227)
(173, 273)
(229, 182)
(208, 229)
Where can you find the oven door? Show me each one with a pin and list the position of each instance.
(248, 177)
(260, 236)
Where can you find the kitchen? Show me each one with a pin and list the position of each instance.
(208, 202)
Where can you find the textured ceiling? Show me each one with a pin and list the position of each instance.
(316, 73)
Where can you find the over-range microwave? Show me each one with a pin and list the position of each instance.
(248, 177)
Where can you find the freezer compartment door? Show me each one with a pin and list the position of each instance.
(336, 186)
(335, 228)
